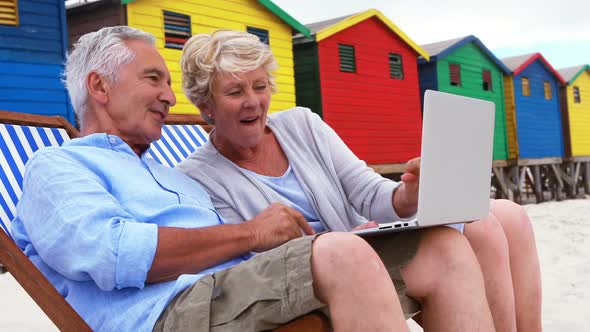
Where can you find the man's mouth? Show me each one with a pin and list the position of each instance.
(162, 114)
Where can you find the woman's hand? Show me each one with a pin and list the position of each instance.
(370, 224)
(405, 198)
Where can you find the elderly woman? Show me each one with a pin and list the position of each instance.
(253, 159)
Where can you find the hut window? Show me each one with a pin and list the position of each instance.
(260, 33)
(486, 77)
(347, 59)
(8, 12)
(455, 74)
(547, 88)
(396, 69)
(177, 29)
(526, 86)
(577, 97)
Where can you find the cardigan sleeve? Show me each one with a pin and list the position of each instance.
(369, 193)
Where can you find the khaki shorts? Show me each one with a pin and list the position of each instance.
(272, 289)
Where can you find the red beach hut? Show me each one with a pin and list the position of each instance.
(360, 74)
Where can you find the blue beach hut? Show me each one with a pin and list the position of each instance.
(534, 124)
(33, 44)
(533, 108)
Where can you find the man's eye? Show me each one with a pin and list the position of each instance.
(233, 92)
(260, 87)
(153, 78)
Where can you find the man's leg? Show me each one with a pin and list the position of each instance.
(275, 287)
(489, 243)
(524, 263)
(351, 278)
(446, 278)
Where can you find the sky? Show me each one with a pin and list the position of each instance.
(560, 30)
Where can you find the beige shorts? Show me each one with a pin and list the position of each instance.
(272, 289)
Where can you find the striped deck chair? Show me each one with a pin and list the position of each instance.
(178, 141)
(20, 136)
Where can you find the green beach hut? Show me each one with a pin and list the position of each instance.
(465, 66)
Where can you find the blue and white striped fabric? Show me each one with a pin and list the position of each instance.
(17, 144)
(177, 143)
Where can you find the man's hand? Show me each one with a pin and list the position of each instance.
(276, 225)
(405, 198)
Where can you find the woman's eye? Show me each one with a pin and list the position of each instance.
(260, 87)
(234, 93)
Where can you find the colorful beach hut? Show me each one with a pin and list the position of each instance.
(575, 105)
(173, 22)
(575, 108)
(533, 109)
(33, 41)
(465, 66)
(360, 73)
(534, 123)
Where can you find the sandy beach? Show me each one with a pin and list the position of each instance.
(562, 231)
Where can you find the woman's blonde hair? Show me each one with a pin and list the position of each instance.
(223, 51)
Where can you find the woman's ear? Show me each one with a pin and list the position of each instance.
(97, 89)
(204, 107)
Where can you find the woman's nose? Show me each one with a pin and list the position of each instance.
(250, 99)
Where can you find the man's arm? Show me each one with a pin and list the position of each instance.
(79, 216)
(182, 250)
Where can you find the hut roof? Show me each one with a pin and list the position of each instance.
(518, 63)
(441, 49)
(268, 4)
(570, 74)
(327, 28)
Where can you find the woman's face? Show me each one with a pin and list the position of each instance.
(238, 105)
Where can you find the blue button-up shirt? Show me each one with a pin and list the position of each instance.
(88, 218)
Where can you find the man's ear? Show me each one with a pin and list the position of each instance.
(97, 88)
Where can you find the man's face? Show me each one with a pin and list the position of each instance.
(139, 100)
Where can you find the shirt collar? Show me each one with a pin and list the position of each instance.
(104, 141)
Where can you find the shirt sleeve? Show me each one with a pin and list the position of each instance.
(369, 193)
(79, 229)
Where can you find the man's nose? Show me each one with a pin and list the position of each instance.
(168, 95)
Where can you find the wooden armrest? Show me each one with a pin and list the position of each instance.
(313, 322)
(25, 119)
(38, 287)
(188, 119)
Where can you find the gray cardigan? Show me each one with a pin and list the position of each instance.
(343, 190)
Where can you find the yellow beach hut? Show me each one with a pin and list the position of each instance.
(173, 22)
(576, 106)
(575, 109)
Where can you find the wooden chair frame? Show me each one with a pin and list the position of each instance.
(13, 259)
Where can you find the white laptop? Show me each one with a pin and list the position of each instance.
(456, 163)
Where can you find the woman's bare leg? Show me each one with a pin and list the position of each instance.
(489, 243)
(446, 278)
(524, 263)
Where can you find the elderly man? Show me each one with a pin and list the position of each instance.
(135, 246)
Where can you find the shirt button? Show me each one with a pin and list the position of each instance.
(112, 140)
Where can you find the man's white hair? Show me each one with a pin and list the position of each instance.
(103, 52)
